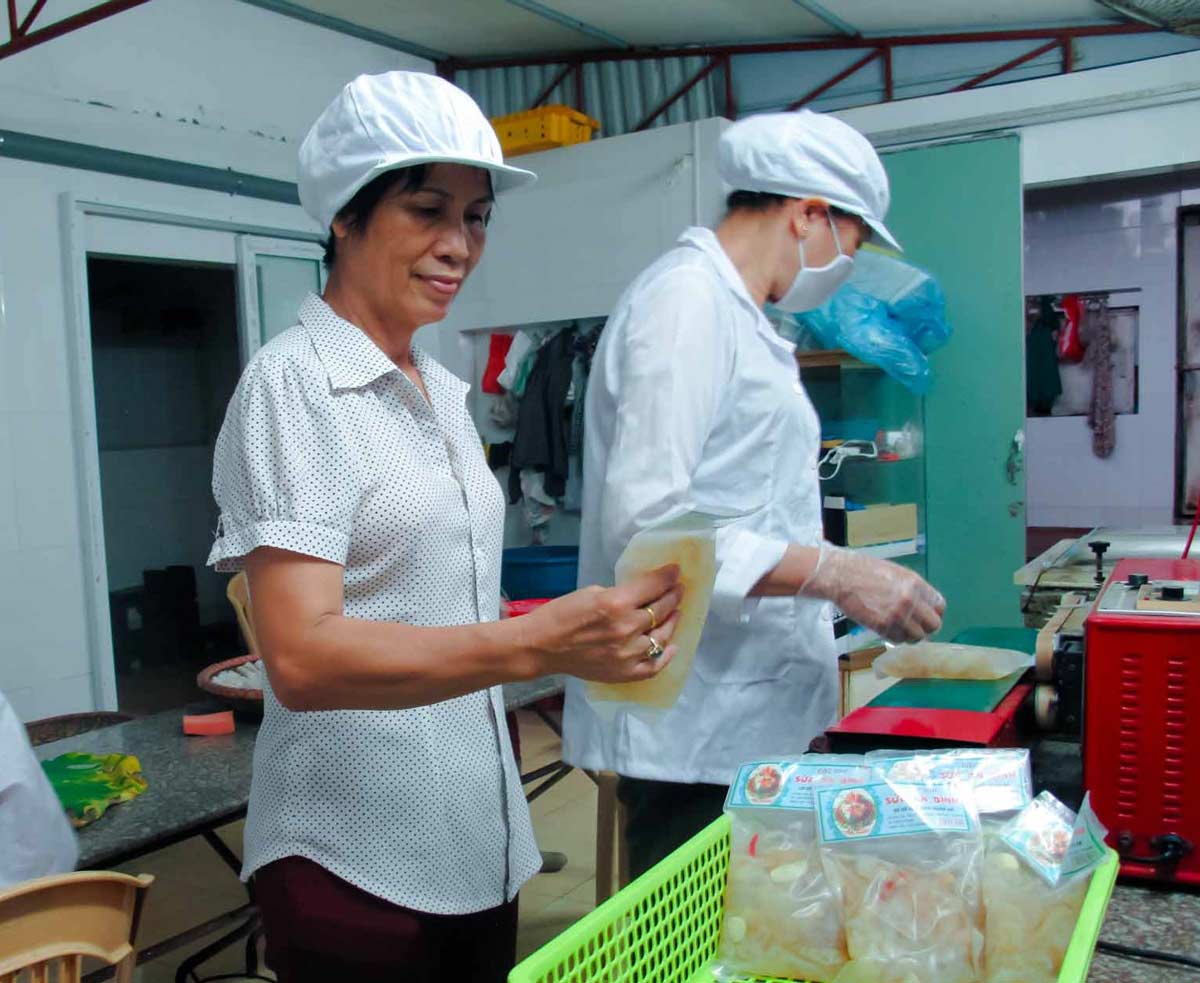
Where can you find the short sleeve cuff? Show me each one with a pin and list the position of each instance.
(744, 558)
(236, 542)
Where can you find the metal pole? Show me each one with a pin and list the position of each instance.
(845, 73)
(699, 77)
(889, 85)
(558, 79)
(30, 17)
(1068, 55)
(12, 19)
(1007, 66)
(580, 97)
(730, 99)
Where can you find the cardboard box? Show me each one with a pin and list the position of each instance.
(871, 526)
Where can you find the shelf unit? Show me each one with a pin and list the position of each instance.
(849, 395)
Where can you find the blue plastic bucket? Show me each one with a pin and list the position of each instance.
(539, 571)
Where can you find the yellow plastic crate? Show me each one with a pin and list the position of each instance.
(664, 927)
(543, 129)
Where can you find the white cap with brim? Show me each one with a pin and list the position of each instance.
(380, 123)
(808, 155)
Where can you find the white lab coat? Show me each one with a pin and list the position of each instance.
(35, 838)
(694, 402)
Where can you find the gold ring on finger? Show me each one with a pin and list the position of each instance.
(656, 650)
(653, 618)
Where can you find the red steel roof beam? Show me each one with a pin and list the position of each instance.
(558, 80)
(24, 41)
(1007, 66)
(730, 99)
(699, 77)
(831, 44)
(889, 84)
(845, 73)
(1068, 54)
(30, 17)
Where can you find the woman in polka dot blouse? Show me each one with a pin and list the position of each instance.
(387, 833)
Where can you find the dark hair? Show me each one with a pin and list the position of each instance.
(765, 201)
(357, 212)
(753, 201)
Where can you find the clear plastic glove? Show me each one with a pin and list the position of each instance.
(880, 595)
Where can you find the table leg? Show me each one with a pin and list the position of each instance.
(232, 860)
(248, 929)
(241, 916)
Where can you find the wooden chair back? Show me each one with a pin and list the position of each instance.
(48, 925)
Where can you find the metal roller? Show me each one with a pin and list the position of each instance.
(1045, 706)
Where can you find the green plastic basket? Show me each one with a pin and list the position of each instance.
(664, 927)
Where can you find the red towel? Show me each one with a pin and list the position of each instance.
(497, 353)
(1070, 343)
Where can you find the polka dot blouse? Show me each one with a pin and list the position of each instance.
(328, 449)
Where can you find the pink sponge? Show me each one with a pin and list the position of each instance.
(209, 723)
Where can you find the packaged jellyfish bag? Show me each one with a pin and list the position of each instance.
(782, 916)
(1000, 778)
(905, 859)
(1035, 878)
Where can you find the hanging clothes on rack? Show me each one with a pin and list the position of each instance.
(498, 347)
(1043, 384)
(1070, 345)
(518, 361)
(541, 441)
(1102, 416)
(584, 347)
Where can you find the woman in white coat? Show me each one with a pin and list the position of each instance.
(694, 402)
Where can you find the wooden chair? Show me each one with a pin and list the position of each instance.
(238, 592)
(53, 923)
(71, 725)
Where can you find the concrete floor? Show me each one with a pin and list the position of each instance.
(193, 885)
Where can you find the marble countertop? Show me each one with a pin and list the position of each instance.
(196, 783)
(1149, 918)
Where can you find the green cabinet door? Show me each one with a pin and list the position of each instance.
(957, 210)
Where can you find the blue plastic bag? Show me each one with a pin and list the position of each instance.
(889, 313)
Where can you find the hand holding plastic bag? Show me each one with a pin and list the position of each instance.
(689, 543)
(880, 595)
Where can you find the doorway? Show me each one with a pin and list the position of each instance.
(165, 362)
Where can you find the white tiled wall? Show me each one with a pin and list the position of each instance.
(1109, 237)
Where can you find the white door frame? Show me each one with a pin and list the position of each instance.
(74, 213)
(249, 248)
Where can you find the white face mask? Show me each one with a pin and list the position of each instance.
(816, 284)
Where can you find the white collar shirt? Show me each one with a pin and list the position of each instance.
(329, 450)
(694, 402)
